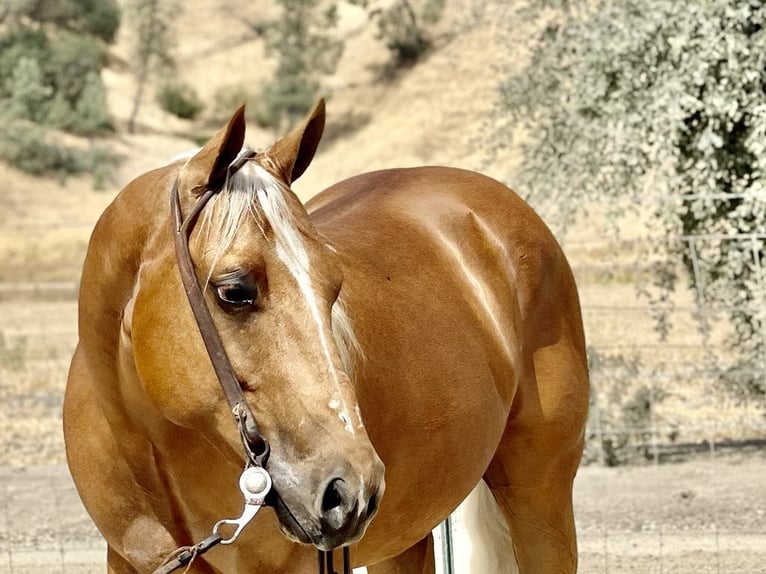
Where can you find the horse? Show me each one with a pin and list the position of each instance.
(405, 339)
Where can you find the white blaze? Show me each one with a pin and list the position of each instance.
(292, 252)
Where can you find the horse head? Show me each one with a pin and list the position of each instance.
(274, 289)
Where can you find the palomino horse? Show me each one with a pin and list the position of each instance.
(422, 319)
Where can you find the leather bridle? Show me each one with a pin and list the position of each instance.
(255, 445)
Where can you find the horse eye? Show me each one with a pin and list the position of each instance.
(239, 294)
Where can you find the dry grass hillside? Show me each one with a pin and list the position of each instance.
(437, 112)
(433, 113)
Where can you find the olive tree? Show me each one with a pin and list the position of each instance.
(627, 98)
(302, 42)
(153, 26)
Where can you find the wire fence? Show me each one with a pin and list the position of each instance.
(681, 374)
(711, 551)
(652, 399)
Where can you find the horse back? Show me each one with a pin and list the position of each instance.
(406, 219)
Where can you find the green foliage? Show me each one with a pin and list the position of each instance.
(56, 84)
(284, 100)
(305, 50)
(27, 92)
(665, 97)
(101, 18)
(34, 150)
(403, 28)
(51, 56)
(28, 147)
(90, 111)
(227, 99)
(179, 99)
(101, 163)
(152, 21)
(400, 28)
(52, 78)
(622, 426)
(71, 60)
(17, 44)
(153, 24)
(98, 18)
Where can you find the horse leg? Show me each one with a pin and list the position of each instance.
(417, 559)
(534, 466)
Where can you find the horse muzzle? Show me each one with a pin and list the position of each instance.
(335, 511)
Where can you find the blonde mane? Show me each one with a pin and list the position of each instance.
(252, 192)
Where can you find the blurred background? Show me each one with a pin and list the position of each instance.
(636, 128)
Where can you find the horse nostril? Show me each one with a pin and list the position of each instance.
(372, 504)
(333, 495)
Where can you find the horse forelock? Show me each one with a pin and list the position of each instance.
(254, 193)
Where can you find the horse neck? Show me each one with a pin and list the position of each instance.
(137, 220)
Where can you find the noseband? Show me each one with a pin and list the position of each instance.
(255, 482)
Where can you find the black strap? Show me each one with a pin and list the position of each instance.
(325, 561)
(255, 444)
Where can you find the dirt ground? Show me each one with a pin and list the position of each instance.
(695, 517)
(704, 515)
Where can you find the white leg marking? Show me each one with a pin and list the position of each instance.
(488, 533)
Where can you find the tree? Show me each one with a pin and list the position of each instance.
(45, 74)
(98, 18)
(90, 108)
(619, 95)
(27, 92)
(403, 28)
(17, 43)
(51, 55)
(305, 50)
(179, 99)
(152, 21)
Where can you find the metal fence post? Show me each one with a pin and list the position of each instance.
(447, 552)
(701, 306)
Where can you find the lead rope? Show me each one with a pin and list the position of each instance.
(325, 561)
(185, 555)
(255, 484)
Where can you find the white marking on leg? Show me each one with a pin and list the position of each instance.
(488, 533)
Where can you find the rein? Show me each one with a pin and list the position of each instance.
(255, 482)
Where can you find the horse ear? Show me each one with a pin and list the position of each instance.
(207, 168)
(292, 154)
